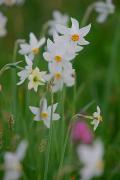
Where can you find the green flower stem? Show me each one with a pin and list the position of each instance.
(49, 140)
(87, 14)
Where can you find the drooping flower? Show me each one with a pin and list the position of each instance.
(44, 113)
(24, 74)
(58, 18)
(33, 47)
(104, 9)
(3, 22)
(36, 78)
(74, 34)
(92, 158)
(82, 133)
(97, 118)
(12, 164)
(61, 76)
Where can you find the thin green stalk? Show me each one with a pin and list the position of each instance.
(49, 140)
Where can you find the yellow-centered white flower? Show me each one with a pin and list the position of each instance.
(74, 34)
(43, 113)
(12, 164)
(60, 76)
(97, 118)
(36, 78)
(3, 22)
(33, 47)
(104, 9)
(58, 18)
(92, 158)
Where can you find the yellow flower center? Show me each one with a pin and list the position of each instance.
(75, 37)
(44, 115)
(100, 165)
(58, 58)
(58, 75)
(100, 118)
(35, 50)
(35, 79)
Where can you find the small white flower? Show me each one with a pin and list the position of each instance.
(3, 21)
(104, 9)
(74, 34)
(33, 47)
(12, 164)
(58, 18)
(97, 118)
(24, 74)
(44, 113)
(92, 158)
(36, 78)
(61, 76)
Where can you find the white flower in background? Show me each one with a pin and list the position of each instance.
(58, 18)
(24, 74)
(43, 113)
(74, 34)
(97, 118)
(104, 9)
(12, 164)
(61, 76)
(36, 78)
(33, 47)
(3, 21)
(92, 158)
(11, 2)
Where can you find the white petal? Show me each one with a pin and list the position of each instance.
(21, 150)
(62, 29)
(56, 116)
(75, 25)
(34, 110)
(33, 40)
(85, 30)
(41, 42)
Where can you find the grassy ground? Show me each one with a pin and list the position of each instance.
(98, 81)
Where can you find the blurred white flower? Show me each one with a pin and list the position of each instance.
(12, 164)
(92, 158)
(104, 9)
(33, 47)
(97, 118)
(11, 2)
(58, 18)
(61, 76)
(44, 113)
(24, 74)
(36, 78)
(74, 34)
(3, 21)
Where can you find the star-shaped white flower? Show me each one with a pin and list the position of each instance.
(74, 34)
(97, 118)
(58, 18)
(24, 74)
(104, 9)
(3, 22)
(36, 78)
(44, 113)
(60, 76)
(92, 158)
(12, 164)
(33, 47)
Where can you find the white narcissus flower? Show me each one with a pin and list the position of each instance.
(104, 9)
(60, 51)
(60, 76)
(58, 18)
(12, 164)
(3, 21)
(97, 118)
(36, 78)
(92, 158)
(43, 113)
(33, 47)
(74, 34)
(24, 74)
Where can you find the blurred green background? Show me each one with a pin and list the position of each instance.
(98, 77)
